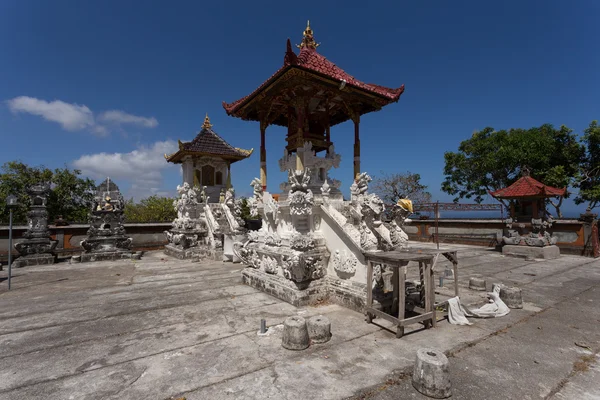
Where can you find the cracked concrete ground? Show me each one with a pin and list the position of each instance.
(162, 328)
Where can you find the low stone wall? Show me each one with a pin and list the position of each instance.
(145, 237)
(573, 237)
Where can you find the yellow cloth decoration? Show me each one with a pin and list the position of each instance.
(405, 204)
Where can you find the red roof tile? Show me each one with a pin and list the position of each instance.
(526, 186)
(309, 59)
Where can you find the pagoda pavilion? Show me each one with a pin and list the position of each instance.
(528, 197)
(309, 94)
(206, 161)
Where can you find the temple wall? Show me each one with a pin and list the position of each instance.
(572, 238)
(572, 235)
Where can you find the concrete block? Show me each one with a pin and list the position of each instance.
(295, 334)
(511, 296)
(477, 284)
(319, 329)
(546, 252)
(431, 375)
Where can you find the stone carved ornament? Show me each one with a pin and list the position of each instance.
(539, 236)
(344, 262)
(301, 198)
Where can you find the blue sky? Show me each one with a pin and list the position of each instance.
(111, 85)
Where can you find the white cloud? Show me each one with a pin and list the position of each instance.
(142, 168)
(72, 117)
(75, 117)
(119, 117)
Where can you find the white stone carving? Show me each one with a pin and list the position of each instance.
(269, 264)
(344, 262)
(302, 242)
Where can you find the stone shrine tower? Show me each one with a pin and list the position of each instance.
(206, 161)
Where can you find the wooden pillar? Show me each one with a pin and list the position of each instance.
(263, 155)
(228, 175)
(356, 119)
(534, 209)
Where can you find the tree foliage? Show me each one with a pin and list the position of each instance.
(393, 187)
(151, 209)
(491, 160)
(589, 180)
(71, 195)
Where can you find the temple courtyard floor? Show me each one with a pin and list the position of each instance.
(160, 328)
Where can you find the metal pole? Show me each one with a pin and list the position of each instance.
(437, 215)
(9, 247)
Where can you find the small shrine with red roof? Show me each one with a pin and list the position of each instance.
(528, 202)
(528, 196)
(206, 161)
(308, 95)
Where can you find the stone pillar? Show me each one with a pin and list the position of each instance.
(589, 222)
(187, 167)
(228, 175)
(356, 120)
(263, 156)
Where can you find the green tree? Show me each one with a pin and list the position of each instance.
(151, 209)
(491, 160)
(393, 187)
(589, 180)
(70, 195)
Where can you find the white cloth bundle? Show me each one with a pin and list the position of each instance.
(457, 313)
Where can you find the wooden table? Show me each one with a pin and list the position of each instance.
(398, 261)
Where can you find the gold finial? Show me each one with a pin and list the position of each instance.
(206, 124)
(308, 39)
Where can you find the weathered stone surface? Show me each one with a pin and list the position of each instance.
(319, 329)
(295, 334)
(431, 375)
(511, 296)
(33, 259)
(477, 284)
(546, 252)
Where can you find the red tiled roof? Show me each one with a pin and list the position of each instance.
(526, 186)
(311, 60)
(207, 142)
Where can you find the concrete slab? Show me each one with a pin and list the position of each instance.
(160, 328)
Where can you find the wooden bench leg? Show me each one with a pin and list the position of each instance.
(399, 332)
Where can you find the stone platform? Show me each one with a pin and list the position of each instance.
(343, 292)
(194, 253)
(546, 252)
(34, 259)
(103, 256)
(163, 328)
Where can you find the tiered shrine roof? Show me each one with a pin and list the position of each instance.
(208, 143)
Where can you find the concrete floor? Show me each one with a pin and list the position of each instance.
(161, 328)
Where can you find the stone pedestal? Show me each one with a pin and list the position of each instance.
(477, 284)
(511, 296)
(431, 375)
(546, 252)
(37, 248)
(319, 329)
(106, 239)
(295, 334)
